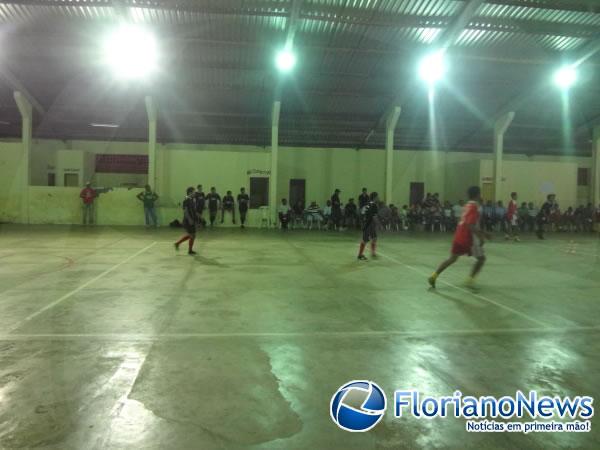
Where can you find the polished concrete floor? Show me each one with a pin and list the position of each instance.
(109, 339)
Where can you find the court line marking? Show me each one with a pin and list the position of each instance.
(474, 294)
(79, 288)
(366, 333)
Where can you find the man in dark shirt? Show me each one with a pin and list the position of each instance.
(189, 221)
(363, 199)
(369, 227)
(543, 216)
(229, 206)
(351, 214)
(336, 209)
(243, 204)
(200, 203)
(213, 199)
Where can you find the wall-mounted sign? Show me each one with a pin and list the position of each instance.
(258, 172)
(122, 164)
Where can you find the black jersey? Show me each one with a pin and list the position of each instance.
(336, 204)
(363, 200)
(213, 201)
(228, 202)
(200, 199)
(243, 201)
(189, 210)
(371, 211)
(546, 209)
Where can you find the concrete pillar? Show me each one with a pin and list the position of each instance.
(26, 136)
(595, 172)
(500, 127)
(274, 161)
(390, 127)
(152, 118)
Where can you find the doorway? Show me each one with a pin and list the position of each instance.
(71, 179)
(417, 193)
(297, 191)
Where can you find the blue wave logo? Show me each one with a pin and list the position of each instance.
(358, 406)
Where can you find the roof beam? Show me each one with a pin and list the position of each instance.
(16, 85)
(591, 6)
(445, 40)
(449, 36)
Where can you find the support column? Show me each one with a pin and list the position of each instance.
(390, 127)
(26, 135)
(595, 172)
(274, 161)
(500, 127)
(152, 118)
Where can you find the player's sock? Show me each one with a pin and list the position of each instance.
(362, 248)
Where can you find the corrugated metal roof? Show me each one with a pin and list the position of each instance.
(551, 15)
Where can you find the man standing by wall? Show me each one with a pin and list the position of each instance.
(88, 194)
(149, 197)
(228, 206)
(214, 200)
(336, 209)
(243, 203)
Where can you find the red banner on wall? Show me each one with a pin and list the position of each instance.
(122, 163)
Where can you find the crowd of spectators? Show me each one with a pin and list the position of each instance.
(431, 214)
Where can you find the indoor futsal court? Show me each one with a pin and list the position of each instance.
(299, 224)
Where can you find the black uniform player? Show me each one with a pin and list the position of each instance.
(243, 204)
(189, 221)
(229, 206)
(543, 216)
(200, 203)
(369, 227)
(213, 199)
(336, 209)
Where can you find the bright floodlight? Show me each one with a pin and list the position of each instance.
(432, 67)
(285, 60)
(131, 52)
(565, 77)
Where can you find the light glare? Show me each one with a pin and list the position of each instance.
(285, 60)
(131, 52)
(432, 67)
(565, 77)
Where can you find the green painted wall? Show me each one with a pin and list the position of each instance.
(227, 167)
(11, 197)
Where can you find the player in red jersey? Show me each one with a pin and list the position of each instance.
(512, 227)
(468, 239)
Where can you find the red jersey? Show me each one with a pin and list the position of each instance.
(512, 209)
(88, 195)
(470, 216)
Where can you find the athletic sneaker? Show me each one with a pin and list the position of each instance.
(517, 239)
(192, 252)
(431, 281)
(362, 257)
(176, 247)
(374, 256)
(470, 284)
